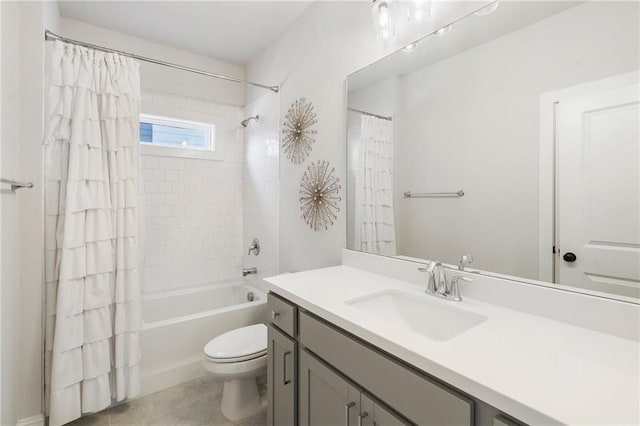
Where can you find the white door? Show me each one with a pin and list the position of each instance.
(598, 190)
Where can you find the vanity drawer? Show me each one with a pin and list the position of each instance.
(414, 395)
(282, 314)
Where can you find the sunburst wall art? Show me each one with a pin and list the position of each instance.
(297, 131)
(319, 198)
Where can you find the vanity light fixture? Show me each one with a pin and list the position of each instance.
(490, 8)
(419, 10)
(383, 19)
(444, 30)
(410, 47)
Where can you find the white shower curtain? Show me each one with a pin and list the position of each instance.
(375, 229)
(93, 308)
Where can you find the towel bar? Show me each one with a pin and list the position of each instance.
(456, 194)
(15, 185)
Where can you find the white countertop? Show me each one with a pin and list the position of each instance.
(536, 369)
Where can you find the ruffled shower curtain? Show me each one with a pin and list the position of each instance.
(375, 228)
(93, 307)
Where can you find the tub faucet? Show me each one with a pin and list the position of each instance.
(249, 271)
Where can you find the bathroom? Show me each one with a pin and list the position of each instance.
(469, 98)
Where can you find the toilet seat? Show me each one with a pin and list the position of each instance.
(236, 359)
(241, 344)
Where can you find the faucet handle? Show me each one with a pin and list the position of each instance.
(254, 247)
(455, 289)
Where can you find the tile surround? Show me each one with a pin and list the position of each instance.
(193, 207)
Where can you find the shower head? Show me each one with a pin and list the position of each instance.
(246, 121)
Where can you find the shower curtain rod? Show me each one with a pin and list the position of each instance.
(48, 35)
(382, 117)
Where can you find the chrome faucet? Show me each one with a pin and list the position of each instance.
(437, 282)
(249, 271)
(431, 280)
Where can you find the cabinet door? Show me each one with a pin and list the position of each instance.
(415, 396)
(281, 380)
(325, 397)
(374, 414)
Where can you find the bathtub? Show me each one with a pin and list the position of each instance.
(177, 325)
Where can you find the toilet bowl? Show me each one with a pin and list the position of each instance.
(238, 357)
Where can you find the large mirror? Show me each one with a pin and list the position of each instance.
(511, 136)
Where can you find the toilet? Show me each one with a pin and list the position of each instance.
(238, 357)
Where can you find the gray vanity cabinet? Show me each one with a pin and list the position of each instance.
(281, 378)
(327, 398)
(282, 362)
(418, 398)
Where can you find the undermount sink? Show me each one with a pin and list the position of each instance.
(417, 313)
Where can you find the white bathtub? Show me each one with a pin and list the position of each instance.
(177, 325)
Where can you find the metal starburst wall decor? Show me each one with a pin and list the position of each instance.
(319, 198)
(297, 131)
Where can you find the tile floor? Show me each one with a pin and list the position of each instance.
(191, 404)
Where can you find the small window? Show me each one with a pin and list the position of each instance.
(175, 137)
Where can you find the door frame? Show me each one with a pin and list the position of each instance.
(548, 166)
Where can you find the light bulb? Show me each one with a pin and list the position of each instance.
(490, 8)
(444, 30)
(383, 19)
(410, 47)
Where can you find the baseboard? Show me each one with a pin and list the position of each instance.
(160, 380)
(37, 420)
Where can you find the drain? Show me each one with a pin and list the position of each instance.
(251, 297)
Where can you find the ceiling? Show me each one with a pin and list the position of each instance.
(466, 33)
(232, 31)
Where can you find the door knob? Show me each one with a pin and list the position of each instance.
(569, 257)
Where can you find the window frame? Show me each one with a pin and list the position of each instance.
(149, 148)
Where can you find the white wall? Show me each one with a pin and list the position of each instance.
(9, 212)
(35, 17)
(472, 122)
(312, 59)
(23, 25)
(1, 223)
